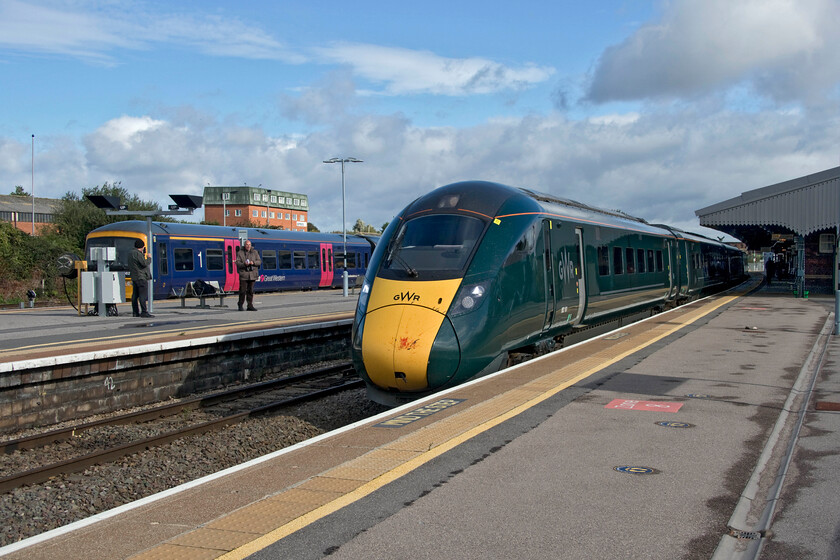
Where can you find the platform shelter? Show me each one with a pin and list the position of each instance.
(796, 221)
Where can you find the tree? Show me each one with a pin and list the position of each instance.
(361, 227)
(312, 227)
(77, 216)
(385, 225)
(19, 191)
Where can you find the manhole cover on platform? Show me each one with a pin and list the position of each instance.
(636, 470)
(666, 424)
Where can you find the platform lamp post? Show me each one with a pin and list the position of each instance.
(343, 225)
(185, 205)
(32, 188)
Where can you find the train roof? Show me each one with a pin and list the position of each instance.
(496, 199)
(254, 234)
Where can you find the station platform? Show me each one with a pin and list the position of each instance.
(48, 332)
(664, 439)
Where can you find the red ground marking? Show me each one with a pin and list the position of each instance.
(651, 406)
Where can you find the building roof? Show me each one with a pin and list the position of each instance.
(802, 206)
(15, 203)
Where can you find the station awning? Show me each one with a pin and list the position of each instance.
(801, 206)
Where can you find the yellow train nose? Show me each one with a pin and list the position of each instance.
(396, 345)
(400, 327)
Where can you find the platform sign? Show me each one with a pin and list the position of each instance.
(650, 406)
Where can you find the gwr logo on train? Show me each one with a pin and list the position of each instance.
(566, 268)
(407, 297)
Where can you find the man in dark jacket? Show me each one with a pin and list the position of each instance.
(248, 264)
(138, 268)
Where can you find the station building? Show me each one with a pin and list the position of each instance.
(795, 221)
(17, 210)
(242, 205)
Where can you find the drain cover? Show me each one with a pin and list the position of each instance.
(666, 424)
(636, 470)
(698, 396)
(615, 336)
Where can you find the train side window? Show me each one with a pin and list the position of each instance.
(184, 259)
(330, 259)
(618, 260)
(650, 261)
(230, 259)
(367, 260)
(284, 260)
(323, 260)
(269, 259)
(163, 262)
(660, 266)
(215, 259)
(603, 260)
(300, 260)
(640, 260)
(314, 261)
(351, 260)
(631, 264)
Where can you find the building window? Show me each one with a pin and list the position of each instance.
(237, 212)
(262, 214)
(271, 215)
(255, 213)
(826, 243)
(257, 197)
(288, 216)
(227, 212)
(273, 199)
(296, 202)
(265, 198)
(294, 217)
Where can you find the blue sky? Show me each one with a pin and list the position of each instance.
(657, 108)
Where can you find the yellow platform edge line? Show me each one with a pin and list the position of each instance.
(398, 472)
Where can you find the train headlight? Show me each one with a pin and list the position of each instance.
(469, 297)
(364, 294)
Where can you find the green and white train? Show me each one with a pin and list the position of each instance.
(474, 272)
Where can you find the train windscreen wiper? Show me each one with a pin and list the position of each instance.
(411, 272)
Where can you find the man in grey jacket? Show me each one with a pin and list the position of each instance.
(248, 264)
(138, 268)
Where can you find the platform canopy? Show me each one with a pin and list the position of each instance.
(800, 206)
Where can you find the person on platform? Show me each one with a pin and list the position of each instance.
(138, 268)
(769, 270)
(248, 265)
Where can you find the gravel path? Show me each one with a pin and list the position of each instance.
(31, 510)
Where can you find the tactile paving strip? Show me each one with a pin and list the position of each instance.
(236, 534)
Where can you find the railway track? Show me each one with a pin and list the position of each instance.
(223, 408)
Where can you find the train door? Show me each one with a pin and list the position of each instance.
(580, 276)
(231, 275)
(549, 274)
(162, 279)
(673, 269)
(326, 265)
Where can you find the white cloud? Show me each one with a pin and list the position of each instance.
(95, 34)
(659, 166)
(785, 48)
(405, 71)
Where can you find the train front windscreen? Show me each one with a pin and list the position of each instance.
(432, 247)
(124, 247)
